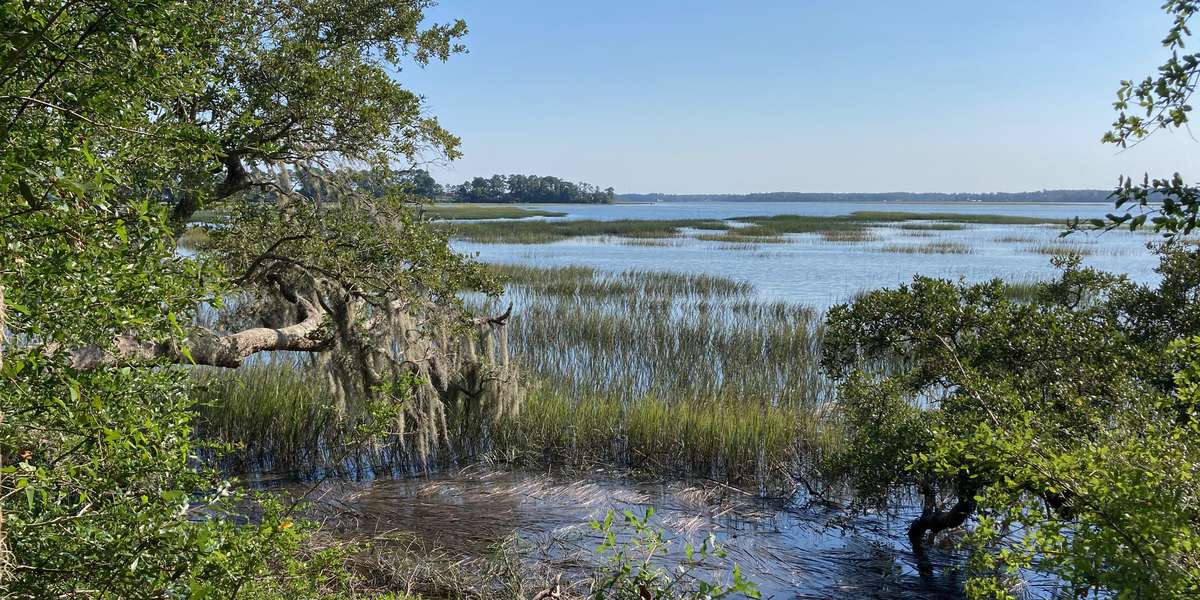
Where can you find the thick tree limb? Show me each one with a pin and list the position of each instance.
(936, 521)
(229, 350)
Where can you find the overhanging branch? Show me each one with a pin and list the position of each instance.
(229, 350)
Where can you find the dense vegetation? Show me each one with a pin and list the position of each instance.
(118, 121)
(1059, 421)
(528, 188)
(1064, 429)
(1039, 196)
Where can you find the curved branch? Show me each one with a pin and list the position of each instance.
(497, 320)
(228, 351)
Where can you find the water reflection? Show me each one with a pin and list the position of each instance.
(790, 548)
(810, 271)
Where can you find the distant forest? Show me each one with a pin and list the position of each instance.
(528, 188)
(1042, 196)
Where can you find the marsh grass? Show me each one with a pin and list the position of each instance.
(669, 373)
(760, 228)
(848, 236)
(651, 242)
(667, 335)
(282, 417)
(932, 226)
(737, 236)
(1023, 290)
(276, 416)
(454, 212)
(1052, 249)
(578, 281)
(930, 248)
(1017, 239)
(664, 372)
(728, 439)
(542, 232)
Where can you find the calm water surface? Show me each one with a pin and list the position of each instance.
(817, 273)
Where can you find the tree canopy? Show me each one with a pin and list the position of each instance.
(1063, 430)
(529, 188)
(118, 121)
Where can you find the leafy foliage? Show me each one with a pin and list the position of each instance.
(112, 113)
(1063, 425)
(633, 574)
(1158, 102)
(529, 188)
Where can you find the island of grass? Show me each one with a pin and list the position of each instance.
(845, 228)
(471, 212)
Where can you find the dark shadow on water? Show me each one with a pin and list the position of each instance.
(789, 549)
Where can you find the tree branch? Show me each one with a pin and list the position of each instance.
(228, 351)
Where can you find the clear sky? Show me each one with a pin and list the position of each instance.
(799, 95)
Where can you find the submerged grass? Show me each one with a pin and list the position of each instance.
(930, 248)
(453, 212)
(1051, 249)
(739, 236)
(1017, 239)
(848, 236)
(932, 226)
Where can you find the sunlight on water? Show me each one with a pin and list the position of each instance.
(813, 272)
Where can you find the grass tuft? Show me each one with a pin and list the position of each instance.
(930, 248)
(1051, 249)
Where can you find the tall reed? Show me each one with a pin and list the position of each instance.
(665, 372)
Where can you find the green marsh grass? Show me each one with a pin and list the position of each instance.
(277, 416)
(932, 226)
(454, 212)
(544, 232)
(668, 373)
(1052, 249)
(1023, 290)
(835, 228)
(878, 216)
(718, 439)
(848, 236)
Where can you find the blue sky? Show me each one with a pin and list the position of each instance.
(754, 96)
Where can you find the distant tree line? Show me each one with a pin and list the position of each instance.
(374, 182)
(528, 188)
(1040, 196)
